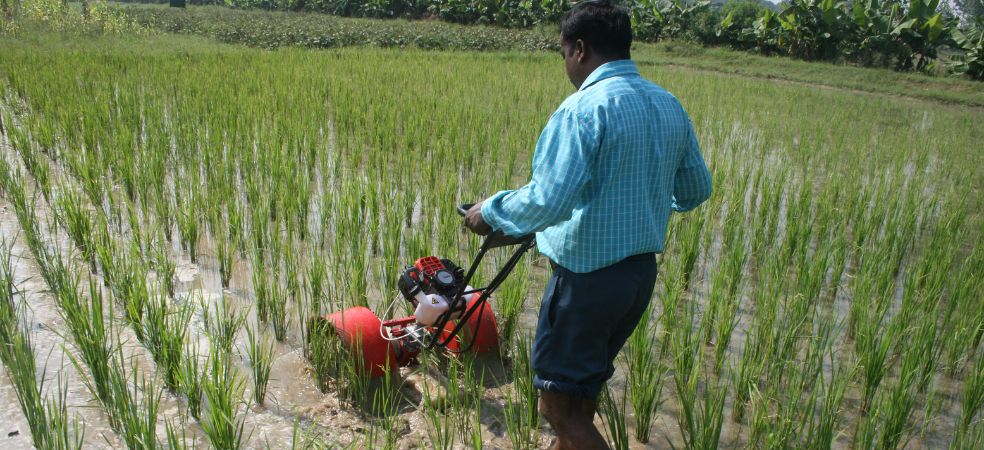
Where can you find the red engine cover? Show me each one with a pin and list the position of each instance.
(429, 265)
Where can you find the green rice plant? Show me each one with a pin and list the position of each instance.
(822, 432)
(92, 338)
(261, 284)
(187, 215)
(69, 205)
(278, 311)
(688, 232)
(128, 281)
(222, 322)
(324, 348)
(351, 377)
(899, 403)
(136, 417)
(521, 409)
(165, 269)
(336, 364)
(225, 253)
(972, 401)
(701, 419)
(237, 225)
(224, 390)
(315, 280)
(191, 379)
(35, 163)
(645, 373)
(166, 327)
(177, 437)
(385, 408)
(441, 425)
(474, 439)
(260, 353)
(872, 345)
(509, 303)
(614, 414)
(48, 419)
(750, 368)
(106, 249)
(720, 320)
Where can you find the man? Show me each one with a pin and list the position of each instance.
(611, 164)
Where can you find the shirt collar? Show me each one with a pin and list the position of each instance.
(610, 69)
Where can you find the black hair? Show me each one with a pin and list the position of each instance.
(602, 24)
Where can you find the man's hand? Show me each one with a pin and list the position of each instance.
(475, 222)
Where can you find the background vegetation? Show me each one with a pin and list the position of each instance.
(904, 35)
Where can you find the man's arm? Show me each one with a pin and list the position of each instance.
(561, 163)
(692, 181)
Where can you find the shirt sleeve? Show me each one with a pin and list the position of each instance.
(692, 181)
(560, 170)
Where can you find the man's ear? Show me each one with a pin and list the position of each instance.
(580, 50)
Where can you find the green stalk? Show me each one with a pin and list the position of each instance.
(223, 389)
(645, 376)
(613, 413)
(260, 352)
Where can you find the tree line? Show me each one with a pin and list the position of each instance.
(912, 35)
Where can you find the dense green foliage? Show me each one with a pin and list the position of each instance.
(903, 34)
(271, 30)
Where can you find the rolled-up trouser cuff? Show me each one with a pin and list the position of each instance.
(586, 392)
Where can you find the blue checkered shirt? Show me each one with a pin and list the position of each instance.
(615, 158)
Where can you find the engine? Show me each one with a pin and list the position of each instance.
(430, 284)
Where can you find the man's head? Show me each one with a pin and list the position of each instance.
(592, 33)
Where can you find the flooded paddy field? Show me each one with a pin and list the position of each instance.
(168, 243)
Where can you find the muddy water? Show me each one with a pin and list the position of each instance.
(47, 329)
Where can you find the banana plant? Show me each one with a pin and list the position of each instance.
(658, 19)
(813, 29)
(921, 31)
(971, 41)
(873, 42)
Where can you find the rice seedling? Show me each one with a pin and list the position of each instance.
(165, 269)
(223, 320)
(872, 345)
(188, 212)
(315, 280)
(260, 352)
(278, 311)
(510, 302)
(822, 431)
(128, 282)
(324, 348)
(191, 379)
(51, 427)
(973, 399)
(645, 372)
(261, 284)
(441, 426)
(223, 389)
(224, 253)
(166, 327)
(899, 402)
(177, 437)
(614, 414)
(521, 409)
(135, 406)
(72, 213)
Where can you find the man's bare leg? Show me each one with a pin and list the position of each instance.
(573, 420)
